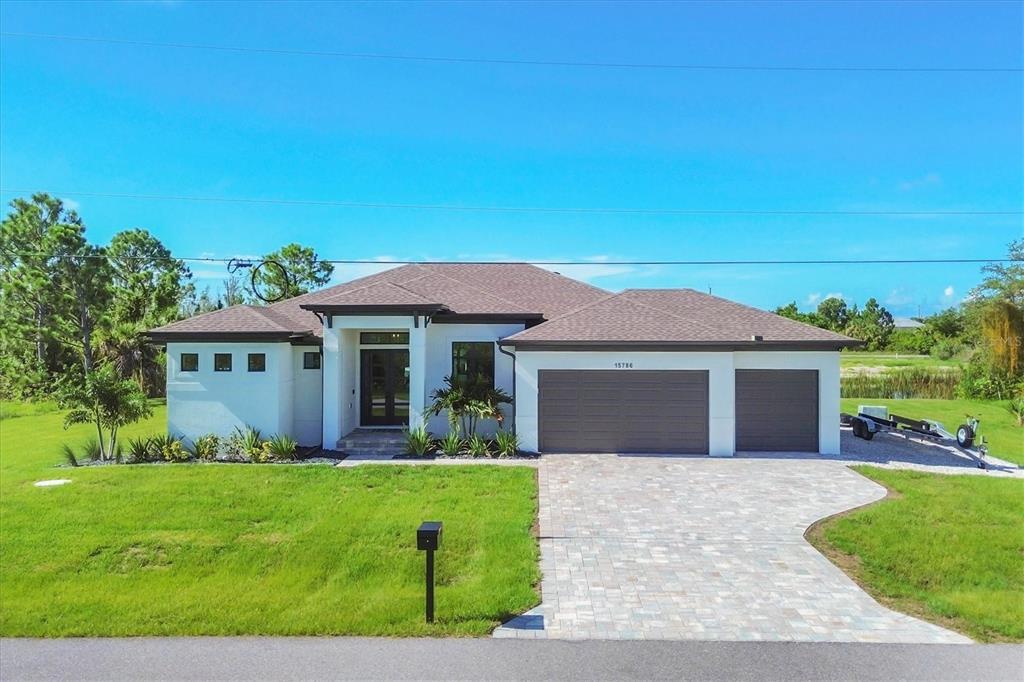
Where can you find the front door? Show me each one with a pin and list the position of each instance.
(384, 389)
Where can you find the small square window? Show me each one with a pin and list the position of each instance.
(473, 360)
(189, 362)
(257, 362)
(311, 360)
(222, 362)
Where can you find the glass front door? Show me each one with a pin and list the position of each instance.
(384, 389)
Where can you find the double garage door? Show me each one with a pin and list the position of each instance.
(666, 411)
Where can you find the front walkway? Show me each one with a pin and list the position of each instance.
(700, 548)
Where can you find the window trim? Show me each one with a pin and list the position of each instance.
(181, 362)
(249, 358)
(309, 353)
(231, 361)
(494, 359)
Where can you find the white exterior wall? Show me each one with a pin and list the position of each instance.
(216, 402)
(440, 338)
(430, 360)
(827, 364)
(721, 368)
(307, 398)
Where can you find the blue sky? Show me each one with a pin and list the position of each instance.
(140, 120)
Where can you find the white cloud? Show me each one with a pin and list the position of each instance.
(899, 297)
(948, 291)
(835, 294)
(926, 180)
(812, 299)
(71, 204)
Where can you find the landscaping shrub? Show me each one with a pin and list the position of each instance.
(507, 444)
(1016, 408)
(946, 349)
(984, 382)
(418, 442)
(170, 448)
(281, 447)
(69, 454)
(141, 450)
(247, 443)
(451, 445)
(206, 447)
(477, 446)
(916, 382)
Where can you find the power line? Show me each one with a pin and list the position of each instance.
(367, 261)
(508, 62)
(513, 209)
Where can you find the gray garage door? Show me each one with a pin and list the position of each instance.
(623, 411)
(777, 410)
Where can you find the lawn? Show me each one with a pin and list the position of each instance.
(944, 548)
(221, 549)
(1005, 438)
(849, 359)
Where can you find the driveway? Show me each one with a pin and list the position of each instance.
(701, 548)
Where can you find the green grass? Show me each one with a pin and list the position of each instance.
(1005, 438)
(849, 359)
(945, 548)
(221, 549)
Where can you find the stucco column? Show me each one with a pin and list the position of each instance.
(417, 375)
(331, 368)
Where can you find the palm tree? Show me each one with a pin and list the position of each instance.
(132, 355)
(466, 402)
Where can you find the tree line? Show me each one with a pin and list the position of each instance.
(985, 331)
(69, 308)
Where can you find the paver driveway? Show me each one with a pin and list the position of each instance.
(700, 548)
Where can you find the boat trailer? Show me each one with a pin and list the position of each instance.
(872, 419)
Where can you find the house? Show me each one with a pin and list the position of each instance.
(906, 323)
(644, 370)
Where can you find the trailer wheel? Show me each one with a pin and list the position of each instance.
(964, 436)
(867, 434)
(857, 425)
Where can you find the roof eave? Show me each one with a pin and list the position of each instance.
(229, 336)
(376, 309)
(707, 346)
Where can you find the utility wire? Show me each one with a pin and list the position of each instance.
(512, 62)
(515, 209)
(367, 261)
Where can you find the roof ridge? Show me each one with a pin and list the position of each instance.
(489, 293)
(687, 320)
(580, 308)
(339, 285)
(377, 284)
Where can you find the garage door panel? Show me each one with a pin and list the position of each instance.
(616, 411)
(777, 410)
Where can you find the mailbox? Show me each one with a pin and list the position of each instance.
(428, 535)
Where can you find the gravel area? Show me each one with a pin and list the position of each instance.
(898, 452)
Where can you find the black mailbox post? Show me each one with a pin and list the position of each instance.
(428, 538)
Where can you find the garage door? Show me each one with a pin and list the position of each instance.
(623, 411)
(777, 410)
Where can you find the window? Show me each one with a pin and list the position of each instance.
(222, 362)
(189, 362)
(470, 359)
(257, 362)
(375, 338)
(311, 360)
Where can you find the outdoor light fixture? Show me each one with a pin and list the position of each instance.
(428, 538)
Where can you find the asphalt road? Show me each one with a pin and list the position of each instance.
(248, 658)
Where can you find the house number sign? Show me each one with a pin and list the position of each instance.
(623, 365)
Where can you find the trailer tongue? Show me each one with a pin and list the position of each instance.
(872, 419)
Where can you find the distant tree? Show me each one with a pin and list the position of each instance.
(948, 323)
(873, 324)
(1004, 281)
(792, 312)
(54, 291)
(235, 291)
(306, 272)
(834, 314)
(149, 284)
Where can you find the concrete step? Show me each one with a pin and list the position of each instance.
(368, 442)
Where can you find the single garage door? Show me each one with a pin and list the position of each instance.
(777, 410)
(623, 411)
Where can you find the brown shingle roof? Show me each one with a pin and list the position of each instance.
(472, 289)
(672, 316)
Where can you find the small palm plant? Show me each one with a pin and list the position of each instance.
(247, 443)
(281, 447)
(1016, 408)
(140, 450)
(418, 441)
(507, 443)
(477, 446)
(467, 401)
(451, 444)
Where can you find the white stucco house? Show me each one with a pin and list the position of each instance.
(644, 370)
